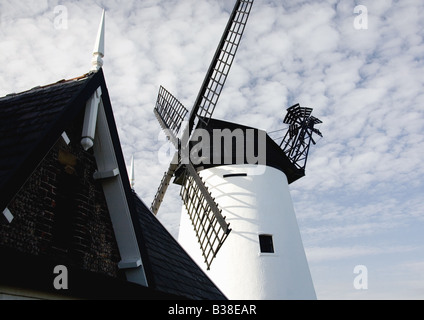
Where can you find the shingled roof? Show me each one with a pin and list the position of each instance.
(29, 123)
(173, 270)
(32, 122)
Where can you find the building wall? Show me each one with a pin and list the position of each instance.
(255, 205)
(61, 211)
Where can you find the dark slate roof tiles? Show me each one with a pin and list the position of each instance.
(25, 117)
(171, 266)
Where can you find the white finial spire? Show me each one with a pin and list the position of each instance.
(99, 47)
(132, 177)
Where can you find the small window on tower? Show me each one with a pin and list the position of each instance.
(266, 243)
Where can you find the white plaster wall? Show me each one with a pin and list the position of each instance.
(257, 204)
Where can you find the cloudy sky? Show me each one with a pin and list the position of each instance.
(361, 202)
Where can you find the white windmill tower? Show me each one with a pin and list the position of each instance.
(261, 256)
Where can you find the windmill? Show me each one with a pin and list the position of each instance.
(221, 190)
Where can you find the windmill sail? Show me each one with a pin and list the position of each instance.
(170, 114)
(164, 184)
(210, 226)
(221, 64)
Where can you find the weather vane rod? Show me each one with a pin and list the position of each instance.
(99, 47)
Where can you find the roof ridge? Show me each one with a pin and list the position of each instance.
(69, 80)
(83, 77)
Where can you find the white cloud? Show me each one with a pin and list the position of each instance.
(320, 254)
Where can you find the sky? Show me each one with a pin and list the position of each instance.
(358, 64)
